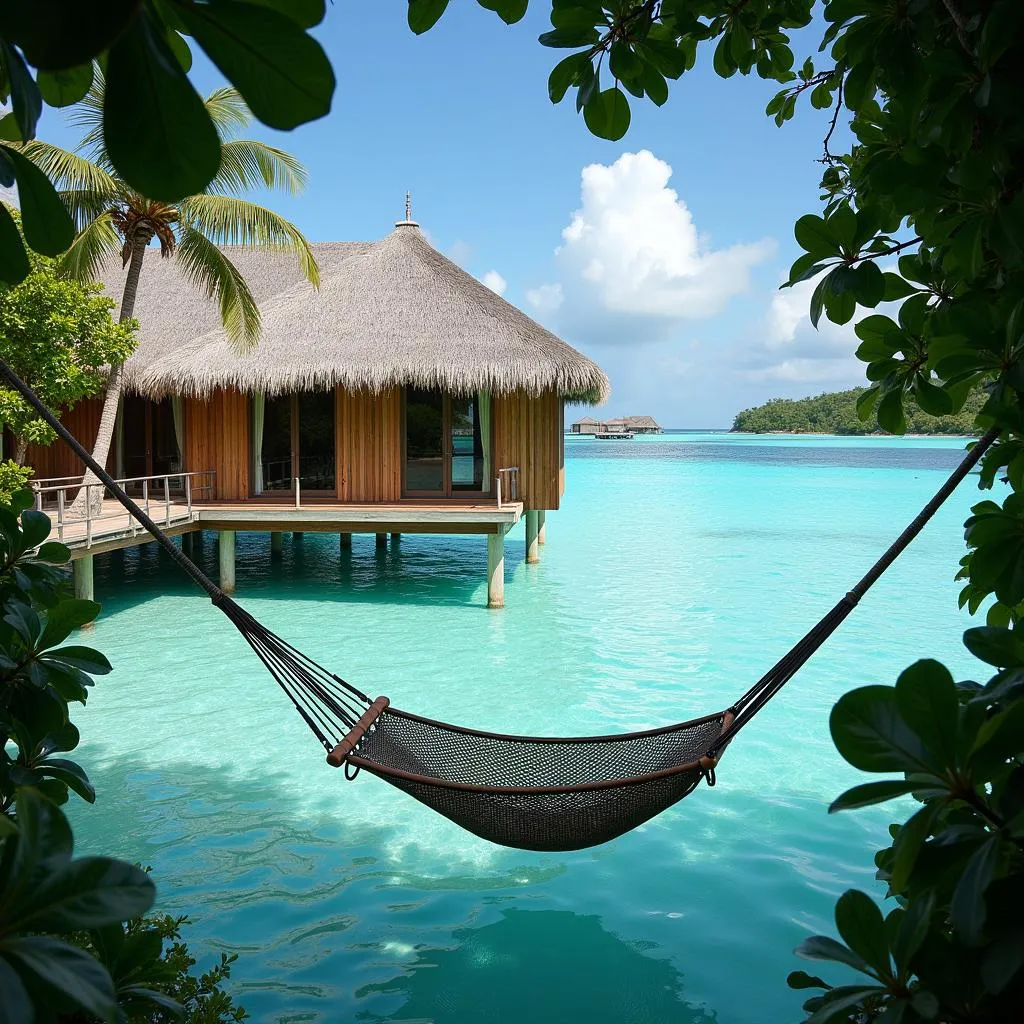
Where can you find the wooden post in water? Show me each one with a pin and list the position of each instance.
(395, 538)
(226, 549)
(81, 572)
(542, 530)
(276, 543)
(496, 570)
(532, 526)
(345, 541)
(382, 541)
(296, 535)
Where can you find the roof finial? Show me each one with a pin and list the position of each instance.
(408, 222)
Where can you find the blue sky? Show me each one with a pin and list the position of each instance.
(677, 236)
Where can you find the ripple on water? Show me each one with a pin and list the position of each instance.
(672, 580)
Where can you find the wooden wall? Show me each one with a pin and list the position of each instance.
(528, 434)
(217, 438)
(368, 445)
(57, 459)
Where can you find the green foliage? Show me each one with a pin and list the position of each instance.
(836, 412)
(73, 942)
(58, 336)
(161, 137)
(13, 478)
(924, 212)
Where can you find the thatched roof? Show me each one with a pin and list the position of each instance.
(642, 422)
(389, 313)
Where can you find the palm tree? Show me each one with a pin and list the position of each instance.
(113, 219)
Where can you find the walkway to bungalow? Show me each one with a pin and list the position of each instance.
(178, 505)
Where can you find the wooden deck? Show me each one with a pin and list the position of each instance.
(115, 528)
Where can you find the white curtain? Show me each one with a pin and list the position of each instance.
(257, 443)
(178, 415)
(484, 403)
(119, 441)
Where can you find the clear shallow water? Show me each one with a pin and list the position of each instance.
(679, 568)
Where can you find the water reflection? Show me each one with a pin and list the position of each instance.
(551, 965)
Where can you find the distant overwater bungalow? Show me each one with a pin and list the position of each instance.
(403, 396)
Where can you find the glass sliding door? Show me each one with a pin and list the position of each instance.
(447, 444)
(424, 442)
(149, 438)
(316, 440)
(294, 437)
(466, 444)
(276, 445)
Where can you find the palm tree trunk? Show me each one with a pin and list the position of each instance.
(112, 396)
(20, 448)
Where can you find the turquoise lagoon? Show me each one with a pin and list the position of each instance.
(678, 569)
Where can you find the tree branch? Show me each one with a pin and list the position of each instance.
(961, 24)
(828, 158)
(889, 252)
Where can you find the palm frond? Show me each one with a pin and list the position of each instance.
(209, 269)
(85, 206)
(226, 220)
(71, 172)
(91, 247)
(87, 114)
(228, 111)
(247, 163)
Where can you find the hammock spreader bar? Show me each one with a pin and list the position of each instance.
(529, 792)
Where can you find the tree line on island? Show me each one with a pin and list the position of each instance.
(835, 412)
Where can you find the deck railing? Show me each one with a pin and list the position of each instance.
(507, 484)
(165, 498)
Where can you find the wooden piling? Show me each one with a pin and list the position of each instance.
(496, 570)
(345, 541)
(532, 525)
(226, 555)
(276, 543)
(382, 541)
(542, 530)
(81, 572)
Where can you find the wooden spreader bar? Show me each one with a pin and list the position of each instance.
(336, 758)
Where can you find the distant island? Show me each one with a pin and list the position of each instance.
(835, 412)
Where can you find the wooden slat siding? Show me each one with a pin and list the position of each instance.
(368, 445)
(527, 434)
(217, 438)
(58, 459)
(561, 447)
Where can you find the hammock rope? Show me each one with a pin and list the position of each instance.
(529, 792)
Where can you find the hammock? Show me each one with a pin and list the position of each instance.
(528, 792)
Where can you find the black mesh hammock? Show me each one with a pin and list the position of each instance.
(529, 792)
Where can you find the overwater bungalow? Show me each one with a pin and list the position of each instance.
(403, 396)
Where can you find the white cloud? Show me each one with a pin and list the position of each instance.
(460, 252)
(495, 282)
(789, 350)
(545, 299)
(633, 265)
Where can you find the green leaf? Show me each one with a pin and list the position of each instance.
(995, 646)
(62, 88)
(281, 71)
(607, 114)
(90, 892)
(84, 658)
(654, 84)
(15, 1004)
(842, 999)
(564, 74)
(999, 738)
(64, 618)
(57, 34)
(872, 793)
(1003, 960)
(801, 979)
(425, 14)
(862, 927)
(70, 774)
(54, 553)
(927, 701)
(908, 844)
(815, 236)
(305, 13)
(869, 284)
(821, 947)
(26, 102)
(896, 288)
(870, 734)
(914, 923)
(623, 62)
(156, 128)
(45, 220)
(890, 412)
(932, 399)
(66, 969)
(36, 527)
(14, 265)
(967, 909)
